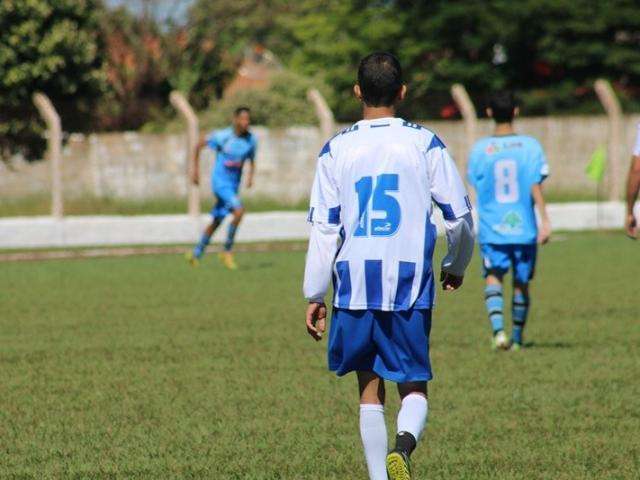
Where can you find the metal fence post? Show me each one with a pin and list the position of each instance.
(54, 149)
(181, 104)
(611, 105)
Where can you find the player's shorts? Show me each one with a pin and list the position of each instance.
(227, 201)
(498, 259)
(394, 345)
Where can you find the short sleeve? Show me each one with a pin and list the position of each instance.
(447, 188)
(636, 147)
(324, 207)
(542, 167)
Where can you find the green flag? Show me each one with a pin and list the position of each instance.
(597, 164)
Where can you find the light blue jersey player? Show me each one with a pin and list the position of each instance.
(507, 171)
(370, 211)
(234, 146)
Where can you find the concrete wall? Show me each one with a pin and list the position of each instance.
(139, 166)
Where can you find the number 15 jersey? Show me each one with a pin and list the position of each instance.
(375, 182)
(502, 170)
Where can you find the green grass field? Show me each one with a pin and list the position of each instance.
(144, 368)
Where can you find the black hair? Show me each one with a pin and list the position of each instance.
(502, 105)
(380, 79)
(241, 109)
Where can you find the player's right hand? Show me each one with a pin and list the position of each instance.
(195, 179)
(631, 226)
(316, 320)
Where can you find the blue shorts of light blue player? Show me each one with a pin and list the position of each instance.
(498, 259)
(394, 345)
(227, 200)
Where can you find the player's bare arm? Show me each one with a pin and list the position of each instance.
(250, 173)
(544, 232)
(633, 187)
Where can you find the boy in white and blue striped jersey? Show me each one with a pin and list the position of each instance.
(371, 206)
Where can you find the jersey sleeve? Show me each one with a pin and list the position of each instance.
(324, 207)
(447, 189)
(214, 140)
(636, 147)
(542, 167)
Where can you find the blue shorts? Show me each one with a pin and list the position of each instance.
(394, 345)
(498, 259)
(227, 201)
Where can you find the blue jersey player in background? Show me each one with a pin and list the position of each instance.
(234, 146)
(507, 171)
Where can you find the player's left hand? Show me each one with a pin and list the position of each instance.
(249, 182)
(450, 282)
(316, 320)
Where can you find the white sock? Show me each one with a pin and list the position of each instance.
(373, 432)
(412, 416)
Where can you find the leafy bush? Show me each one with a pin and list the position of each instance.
(283, 103)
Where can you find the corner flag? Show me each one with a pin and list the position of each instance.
(597, 164)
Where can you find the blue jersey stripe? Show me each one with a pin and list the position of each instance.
(326, 148)
(447, 211)
(334, 215)
(406, 273)
(344, 284)
(373, 283)
(427, 289)
(435, 143)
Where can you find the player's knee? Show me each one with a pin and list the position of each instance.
(238, 213)
(371, 388)
(521, 289)
(405, 389)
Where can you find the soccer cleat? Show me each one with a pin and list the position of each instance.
(192, 259)
(226, 258)
(500, 341)
(398, 466)
(515, 347)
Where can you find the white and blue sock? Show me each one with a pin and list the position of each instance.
(519, 312)
(231, 233)
(373, 432)
(494, 303)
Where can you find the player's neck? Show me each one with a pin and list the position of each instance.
(504, 129)
(371, 113)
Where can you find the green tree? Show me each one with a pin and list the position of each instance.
(52, 46)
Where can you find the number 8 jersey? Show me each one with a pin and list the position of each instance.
(375, 184)
(503, 169)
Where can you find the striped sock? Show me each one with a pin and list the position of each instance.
(494, 303)
(519, 311)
